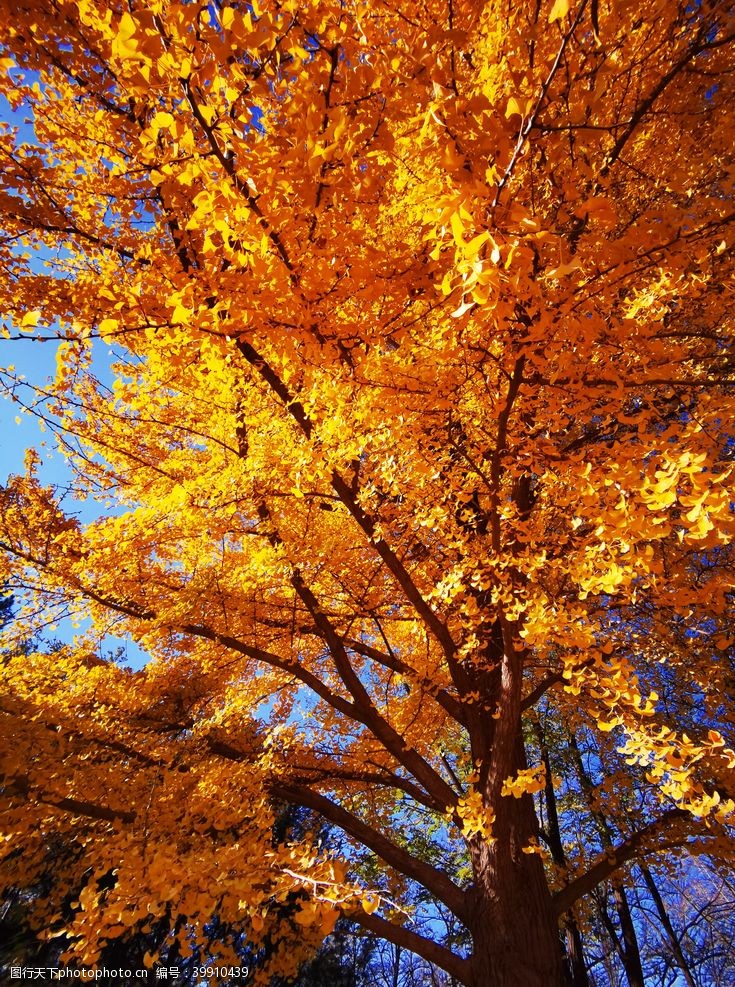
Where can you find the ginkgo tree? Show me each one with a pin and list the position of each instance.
(395, 350)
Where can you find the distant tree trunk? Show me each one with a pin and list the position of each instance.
(631, 955)
(668, 928)
(396, 966)
(574, 952)
(628, 949)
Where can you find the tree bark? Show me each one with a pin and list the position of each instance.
(514, 929)
(671, 935)
(628, 949)
(573, 947)
(630, 956)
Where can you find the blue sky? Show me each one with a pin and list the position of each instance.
(35, 362)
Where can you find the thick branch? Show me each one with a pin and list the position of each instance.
(435, 881)
(500, 448)
(393, 742)
(228, 164)
(646, 104)
(314, 774)
(337, 702)
(540, 690)
(349, 499)
(394, 566)
(529, 123)
(399, 935)
(21, 786)
(445, 700)
(613, 860)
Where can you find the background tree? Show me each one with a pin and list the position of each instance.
(414, 429)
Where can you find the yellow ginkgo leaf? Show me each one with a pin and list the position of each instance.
(559, 11)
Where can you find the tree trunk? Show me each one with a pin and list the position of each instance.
(631, 955)
(573, 948)
(515, 933)
(575, 953)
(663, 914)
(628, 949)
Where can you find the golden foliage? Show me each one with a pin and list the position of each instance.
(416, 417)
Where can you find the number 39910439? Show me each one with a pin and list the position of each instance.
(221, 972)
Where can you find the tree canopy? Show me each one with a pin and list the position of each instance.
(396, 361)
